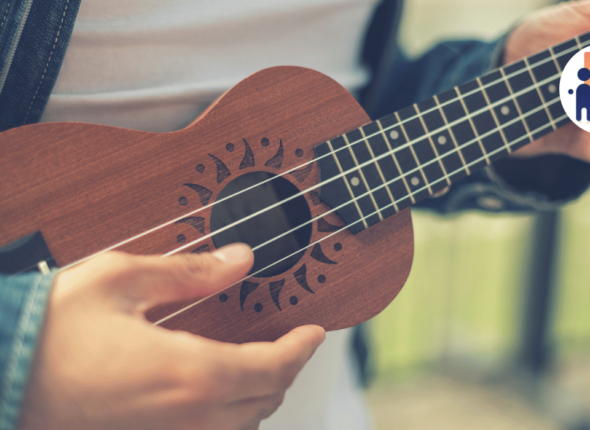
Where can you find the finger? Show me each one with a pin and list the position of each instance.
(264, 368)
(548, 27)
(145, 281)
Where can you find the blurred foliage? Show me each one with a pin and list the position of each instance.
(463, 299)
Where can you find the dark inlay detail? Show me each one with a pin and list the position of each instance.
(293, 300)
(337, 247)
(204, 193)
(321, 279)
(277, 161)
(245, 290)
(301, 174)
(318, 254)
(181, 238)
(223, 298)
(230, 147)
(264, 141)
(325, 227)
(201, 249)
(222, 170)
(258, 307)
(275, 291)
(195, 221)
(182, 201)
(315, 197)
(301, 278)
(248, 160)
(299, 152)
(200, 168)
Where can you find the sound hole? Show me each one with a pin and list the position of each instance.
(292, 215)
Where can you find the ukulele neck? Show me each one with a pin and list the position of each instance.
(375, 171)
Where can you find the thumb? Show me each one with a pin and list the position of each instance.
(145, 281)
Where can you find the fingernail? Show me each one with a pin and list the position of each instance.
(233, 254)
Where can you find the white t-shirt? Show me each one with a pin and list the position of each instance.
(154, 65)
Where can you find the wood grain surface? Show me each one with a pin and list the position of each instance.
(88, 187)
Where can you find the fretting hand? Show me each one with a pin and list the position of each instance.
(537, 32)
(101, 365)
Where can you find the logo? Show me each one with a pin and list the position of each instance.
(574, 89)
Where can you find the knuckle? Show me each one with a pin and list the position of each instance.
(274, 404)
(268, 407)
(198, 268)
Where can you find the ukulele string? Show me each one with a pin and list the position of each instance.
(388, 153)
(342, 229)
(405, 175)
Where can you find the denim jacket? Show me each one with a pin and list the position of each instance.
(33, 39)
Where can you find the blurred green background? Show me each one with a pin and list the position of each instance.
(445, 349)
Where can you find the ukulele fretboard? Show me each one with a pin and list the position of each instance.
(373, 172)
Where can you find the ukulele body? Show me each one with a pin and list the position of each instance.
(88, 187)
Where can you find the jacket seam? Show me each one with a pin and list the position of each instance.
(48, 61)
(15, 42)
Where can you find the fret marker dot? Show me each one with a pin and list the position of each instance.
(442, 140)
(552, 89)
(505, 110)
(415, 181)
(355, 181)
(394, 134)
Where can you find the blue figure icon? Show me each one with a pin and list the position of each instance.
(583, 95)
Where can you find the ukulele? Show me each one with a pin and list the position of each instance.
(286, 161)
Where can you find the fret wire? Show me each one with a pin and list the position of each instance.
(469, 118)
(457, 147)
(493, 112)
(362, 175)
(577, 39)
(411, 146)
(433, 146)
(528, 67)
(378, 169)
(442, 112)
(491, 153)
(554, 58)
(513, 121)
(526, 126)
(399, 169)
(358, 208)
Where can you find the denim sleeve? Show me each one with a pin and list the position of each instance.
(541, 183)
(23, 300)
